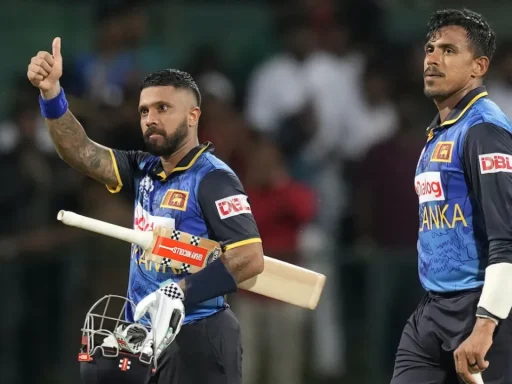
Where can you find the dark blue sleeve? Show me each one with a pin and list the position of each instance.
(126, 164)
(226, 210)
(487, 157)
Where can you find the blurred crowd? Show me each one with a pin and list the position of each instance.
(324, 132)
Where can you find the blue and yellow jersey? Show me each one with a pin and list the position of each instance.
(464, 184)
(201, 196)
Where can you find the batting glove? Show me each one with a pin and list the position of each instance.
(166, 311)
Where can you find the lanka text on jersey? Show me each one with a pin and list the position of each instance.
(460, 179)
(186, 200)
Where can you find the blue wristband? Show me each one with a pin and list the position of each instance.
(213, 281)
(54, 108)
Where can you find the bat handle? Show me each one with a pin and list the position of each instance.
(478, 378)
(142, 239)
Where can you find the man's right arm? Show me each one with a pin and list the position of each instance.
(69, 138)
(75, 148)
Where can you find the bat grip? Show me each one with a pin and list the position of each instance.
(142, 239)
(478, 378)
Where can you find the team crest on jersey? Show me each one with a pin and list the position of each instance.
(175, 199)
(443, 152)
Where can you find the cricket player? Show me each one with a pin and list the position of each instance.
(179, 184)
(463, 180)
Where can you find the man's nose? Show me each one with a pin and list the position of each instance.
(152, 118)
(433, 58)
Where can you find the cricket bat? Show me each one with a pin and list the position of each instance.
(180, 250)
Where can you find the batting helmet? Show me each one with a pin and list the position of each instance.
(112, 349)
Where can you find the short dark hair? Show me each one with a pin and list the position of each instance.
(174, 78)
(479, 33)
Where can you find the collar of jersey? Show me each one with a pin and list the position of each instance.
(185, 163)
(460, 109)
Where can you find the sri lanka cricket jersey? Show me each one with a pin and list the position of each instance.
(201, 196)
(464, 184)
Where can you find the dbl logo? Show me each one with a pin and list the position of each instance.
(495, 162)
(232, 206)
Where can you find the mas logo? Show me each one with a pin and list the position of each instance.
(146, 188)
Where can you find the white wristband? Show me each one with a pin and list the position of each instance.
(497, 292)
(488, 317)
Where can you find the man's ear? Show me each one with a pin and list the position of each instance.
(480, 66)
(193, 116)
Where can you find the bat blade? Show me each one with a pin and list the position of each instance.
(289, 283)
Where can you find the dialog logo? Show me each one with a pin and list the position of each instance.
(429, 187)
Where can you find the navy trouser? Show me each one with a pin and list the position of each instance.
(208, 351)
(440, 323)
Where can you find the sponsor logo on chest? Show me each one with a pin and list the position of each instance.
(144, 221)
(428, 187)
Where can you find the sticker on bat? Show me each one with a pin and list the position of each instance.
(178, 251)
(214, 255)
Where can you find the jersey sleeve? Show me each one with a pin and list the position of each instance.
(487, 158)
(126, 164)
(226, 210)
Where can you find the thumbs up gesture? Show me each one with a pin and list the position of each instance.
(45, 70)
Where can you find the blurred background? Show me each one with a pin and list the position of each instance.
(317, 105)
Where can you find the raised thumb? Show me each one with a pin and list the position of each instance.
(56, 48)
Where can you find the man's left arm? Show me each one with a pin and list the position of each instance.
(488, 162)
(487, 157)
(227, 213)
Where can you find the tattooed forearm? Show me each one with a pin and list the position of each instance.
(80, 152)
(244, 262)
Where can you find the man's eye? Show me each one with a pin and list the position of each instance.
(143, 112)
(164, 107)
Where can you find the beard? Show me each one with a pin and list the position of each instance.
(171, 143)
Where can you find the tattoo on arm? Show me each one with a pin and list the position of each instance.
(80, 152)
